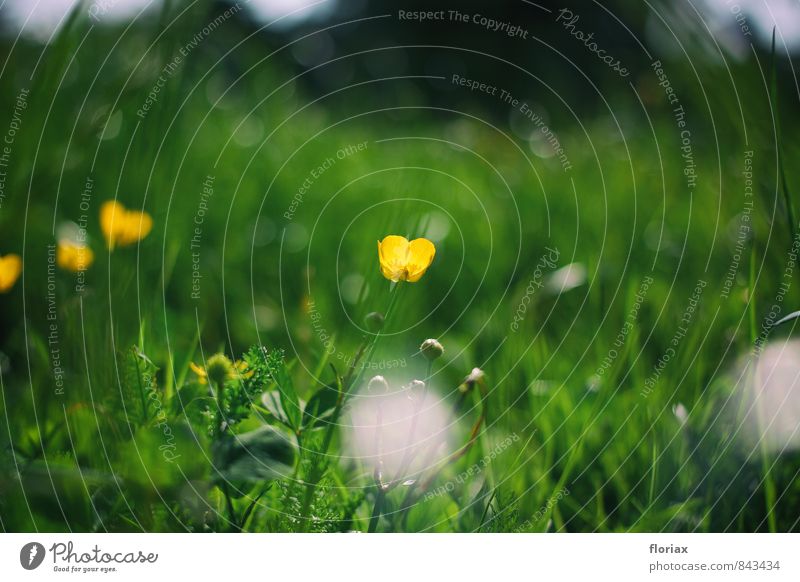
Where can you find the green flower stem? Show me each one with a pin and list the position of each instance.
(229, 505)
(428, 371)
(407, 457)
(473, 437)
(377, 509)
(311, 484)
(219, 430)
(408, 499)
(393, 295)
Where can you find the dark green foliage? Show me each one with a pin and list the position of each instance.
(266, 370)
(256, 456)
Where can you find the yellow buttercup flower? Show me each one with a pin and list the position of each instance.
(405, 261)
(121, 226)
(10, 269)
(72, 257)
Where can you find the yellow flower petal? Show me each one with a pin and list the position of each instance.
(420, 256)
(72, 257)
(393, 254)
(121, 226)
(201, 372)
(404, 261)
(242, 370)
(108, 213)
(10, 269)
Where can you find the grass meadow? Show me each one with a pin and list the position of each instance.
(618, 289)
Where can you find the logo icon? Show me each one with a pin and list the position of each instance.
(31, 555)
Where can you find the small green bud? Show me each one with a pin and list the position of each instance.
(378, 385)
(476, 376)
(416, 389)
(374, 321)
(219, 369)
(431, 349)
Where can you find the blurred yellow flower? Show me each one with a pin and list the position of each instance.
(239, 369)
(200, 372)
(405, 261)
(72, 257)
(10, 269)
(121, 226)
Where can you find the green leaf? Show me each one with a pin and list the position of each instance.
(272, 411)
(137, 385)
(320, 406)
(260, 455)
(192, 400)
(289, 399)
(267, 369)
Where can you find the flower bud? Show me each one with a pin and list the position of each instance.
(431, 349)
(416, 389)
(378, 385)
(374, 321)
(680, 412)
(475, 377)
(219, 369)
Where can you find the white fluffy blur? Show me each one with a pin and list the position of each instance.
(399, 433)
(769, 403)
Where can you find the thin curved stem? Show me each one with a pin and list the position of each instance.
(377, 509)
